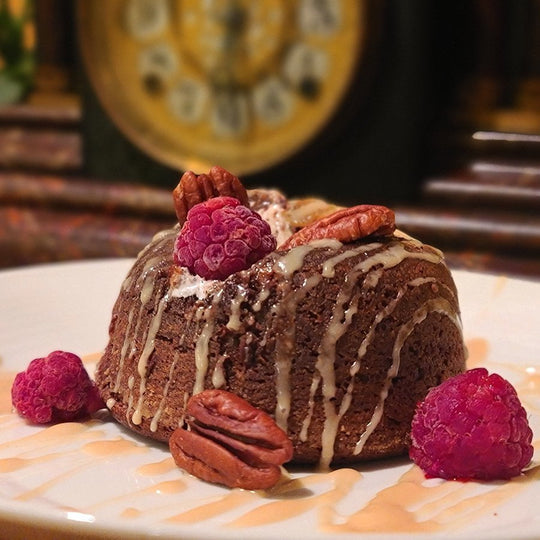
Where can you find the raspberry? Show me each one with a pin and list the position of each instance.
(221, 237)
(472, 426)
(56, 388)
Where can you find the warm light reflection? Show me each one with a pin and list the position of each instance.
(501, 136)
(79, 516)
(499, 168)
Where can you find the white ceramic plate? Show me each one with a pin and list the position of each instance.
(95, 479)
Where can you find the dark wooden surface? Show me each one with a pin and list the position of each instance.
(40, 235)
(484, 213)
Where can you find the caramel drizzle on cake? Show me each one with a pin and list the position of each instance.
(368, 271)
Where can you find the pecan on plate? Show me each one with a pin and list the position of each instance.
(346, 225)
(194, 189)
(230, 442)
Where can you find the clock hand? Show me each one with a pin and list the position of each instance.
(228, 77)
(230, 68)
(235, 22)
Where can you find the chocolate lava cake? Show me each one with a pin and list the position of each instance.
(337, 340)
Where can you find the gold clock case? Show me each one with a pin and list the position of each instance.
(245, 84)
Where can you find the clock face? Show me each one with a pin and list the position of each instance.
(240, 83)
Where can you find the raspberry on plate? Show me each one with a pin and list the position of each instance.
(221, 237)
(472, 426)
(56, 388)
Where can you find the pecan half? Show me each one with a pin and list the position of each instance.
(194, 189)
(346, 225)
(230, 442)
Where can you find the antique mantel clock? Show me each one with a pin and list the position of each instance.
(257, 86)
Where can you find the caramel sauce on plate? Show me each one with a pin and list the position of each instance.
(336, 499)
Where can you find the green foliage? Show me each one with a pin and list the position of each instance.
(16, 60)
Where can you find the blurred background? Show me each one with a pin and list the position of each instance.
(430, 108)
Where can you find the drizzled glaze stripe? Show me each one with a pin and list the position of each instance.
(159, 412)
(285, 350)
(201, 346)
(146, 275)
(372, 269)
(380, 316)
(145, 284)
(332, 417)
(142, 364)
(439, 305)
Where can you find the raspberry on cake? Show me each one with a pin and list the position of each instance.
(221, 237)
(337, 336)
(472, 426)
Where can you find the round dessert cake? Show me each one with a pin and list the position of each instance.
(337, 341)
